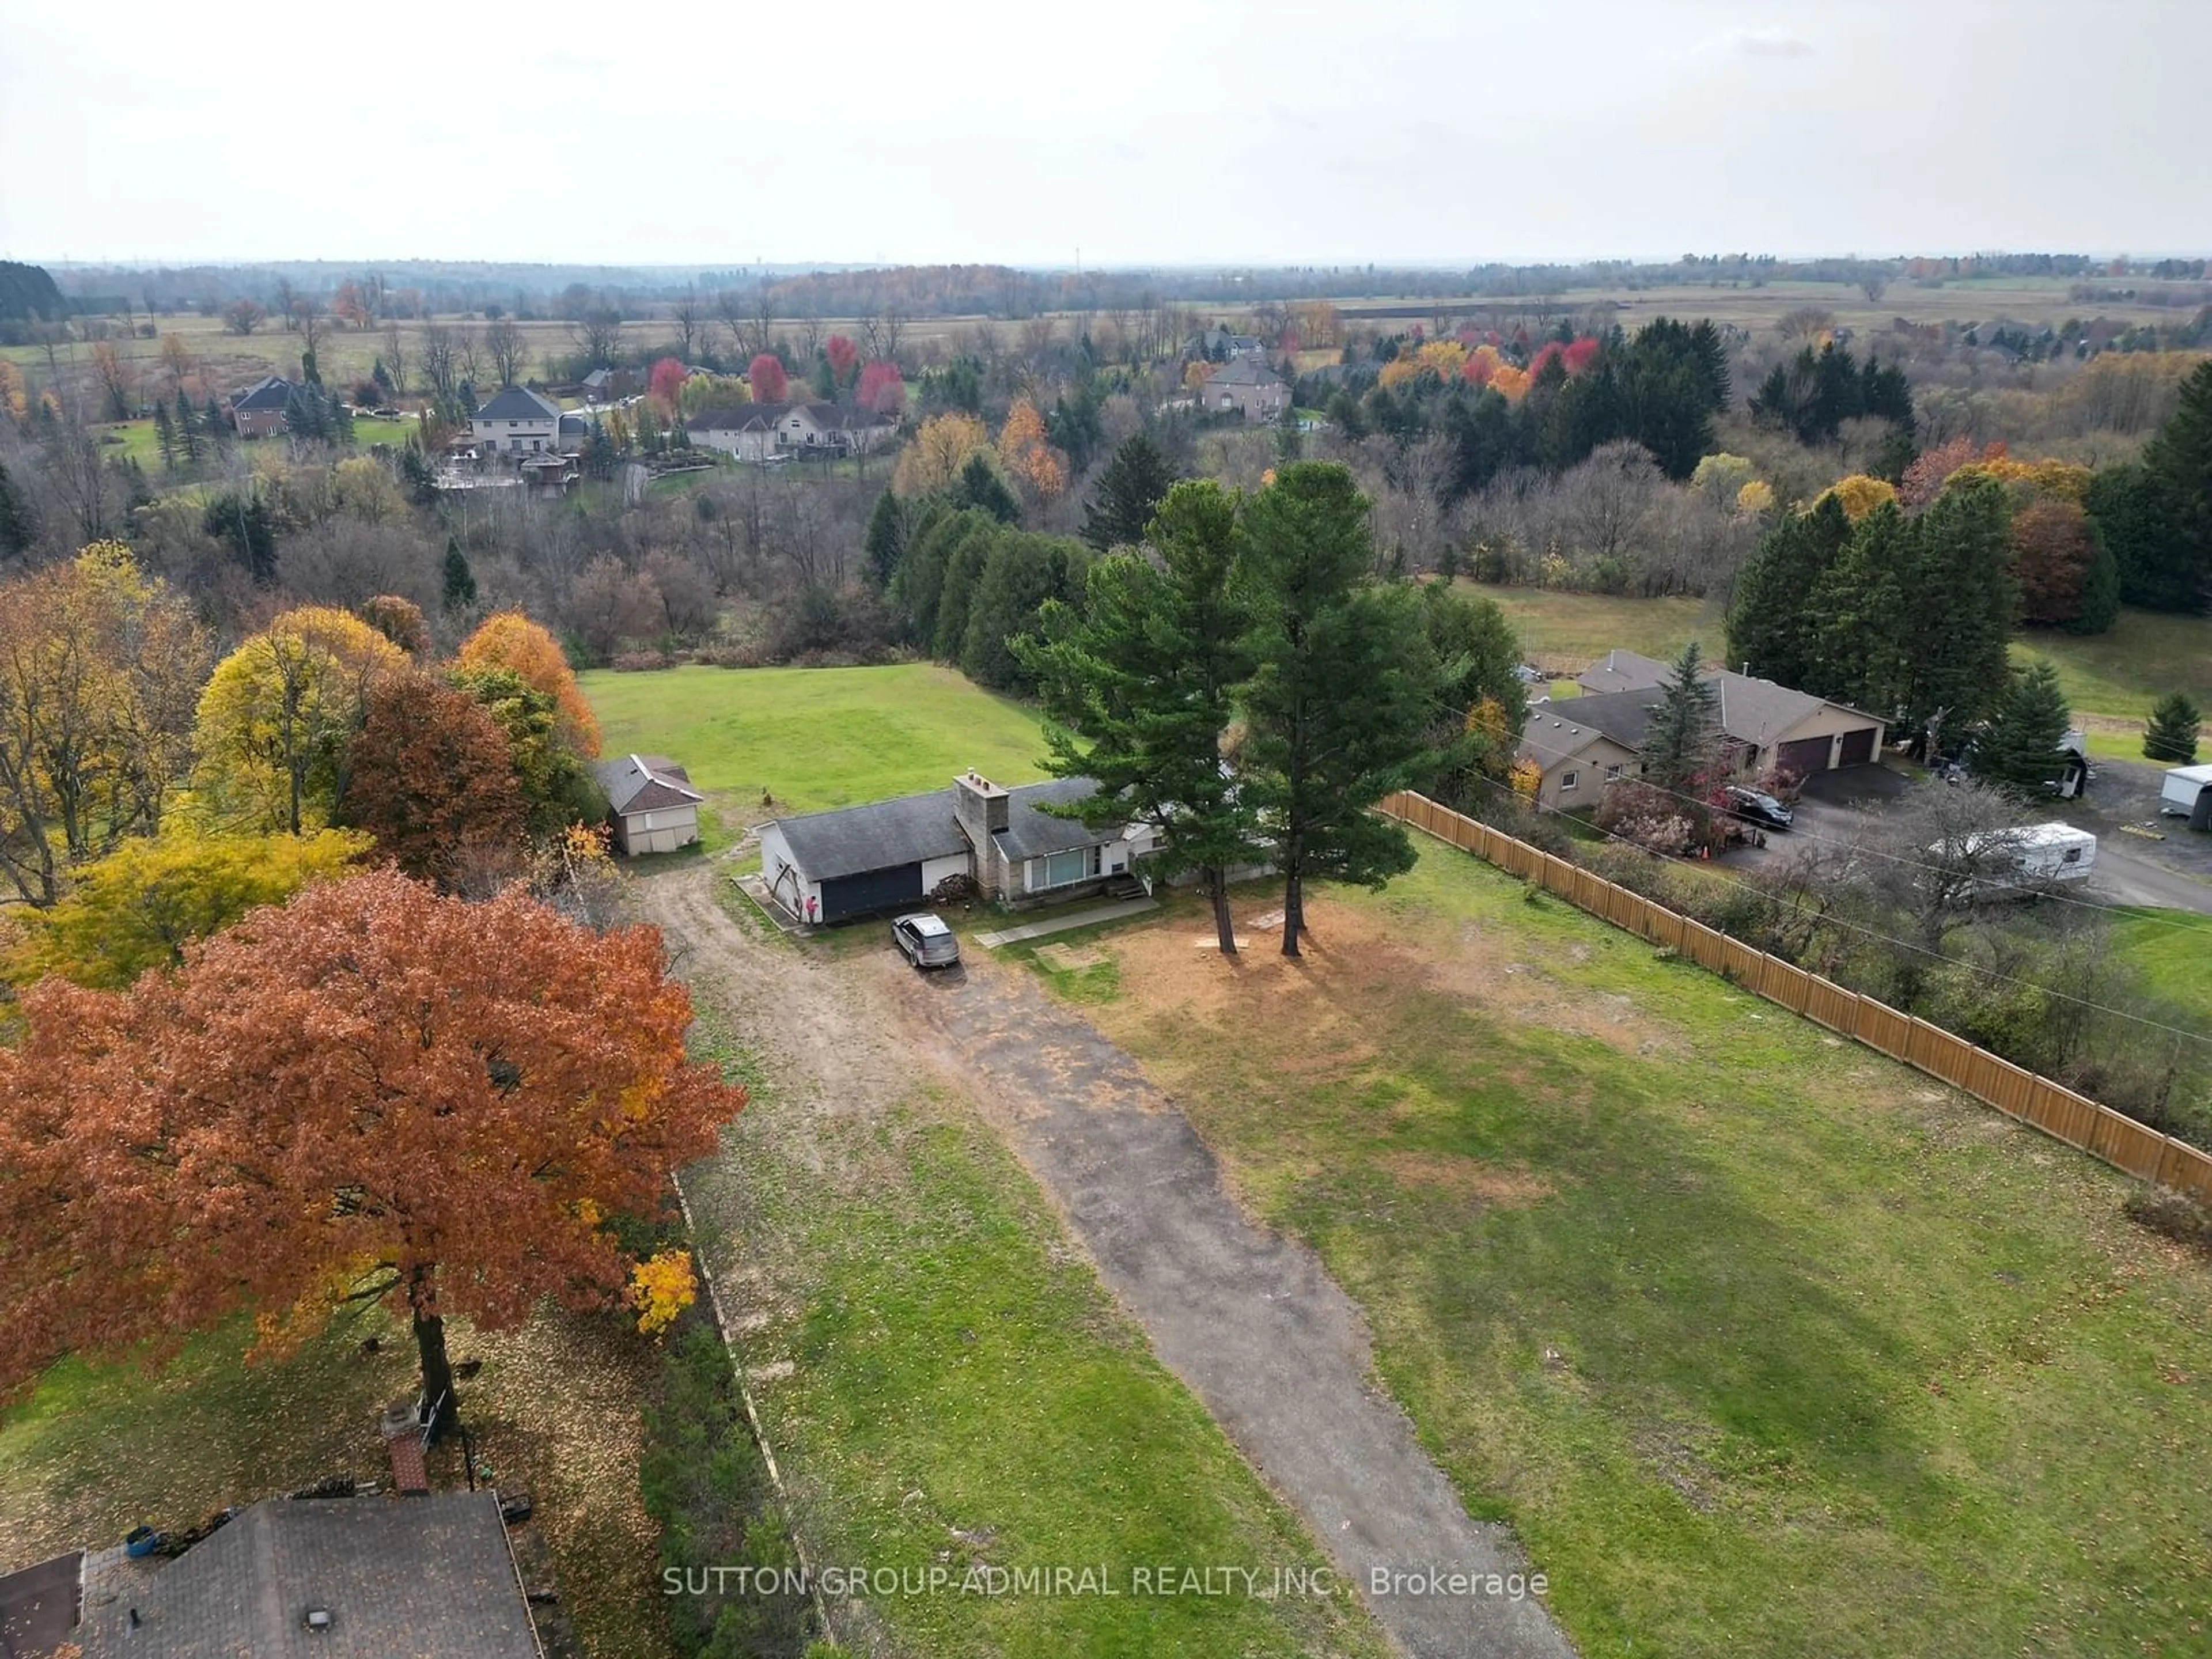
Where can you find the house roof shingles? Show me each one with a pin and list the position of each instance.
(1625, 671)
(646, 783)
(400, 1578)
(745, 417)
(272, 392)
(519, 402)
(913, 828)
(1244, 371)
(1558, 731)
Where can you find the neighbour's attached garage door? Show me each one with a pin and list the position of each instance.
(874, 890)
(1858, 747)
(1805, 757)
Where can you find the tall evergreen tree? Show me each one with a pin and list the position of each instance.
(1957, 620)
(164, 436)
(2139, 516)
(18, 529)
(891, 526)
(2018, 750)
(2171, 736)
(1344, 693)
(2181, 455)
(1773, 625)
(1681, 745)
(459, 582)
(1131, 487)
(1141, 683)
(979, 485)
(188, 425)
(217, 429)
(1023, 573)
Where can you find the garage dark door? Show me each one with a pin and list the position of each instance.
(1858, 747)
(873, 890)
(1804, 757)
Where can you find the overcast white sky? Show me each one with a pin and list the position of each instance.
(1140, 132)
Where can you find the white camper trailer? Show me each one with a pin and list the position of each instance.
(2187, 793)
(2034, 856)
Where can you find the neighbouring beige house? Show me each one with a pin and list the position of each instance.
(518, 422)
(656, 809)
(747, 431)
(764, 432)
(1248, 386)
(1584, 743)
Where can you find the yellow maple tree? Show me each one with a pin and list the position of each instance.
(661, 1288)
(940, 450)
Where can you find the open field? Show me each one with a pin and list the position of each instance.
(2115, 677)
(2169, 946)
(818, 737)
(94, 1453)
(1763, 1344)
(1564, 633)
(942, 1377)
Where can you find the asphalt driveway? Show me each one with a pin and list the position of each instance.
(1248, 1319)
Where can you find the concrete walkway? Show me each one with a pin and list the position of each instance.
(1067, 923)
(1250, 1320)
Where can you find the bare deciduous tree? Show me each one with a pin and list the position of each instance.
(689, 314)
(503, 347)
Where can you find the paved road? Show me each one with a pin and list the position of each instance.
(2125, 876)
(1249, 1319)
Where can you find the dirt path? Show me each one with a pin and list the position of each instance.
(1249, 1320)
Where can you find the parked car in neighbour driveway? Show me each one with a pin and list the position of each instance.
(1756, 806)
(925, 941)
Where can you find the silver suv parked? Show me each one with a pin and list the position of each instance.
(925, 941)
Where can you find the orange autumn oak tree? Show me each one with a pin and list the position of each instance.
(511, 639)
(372, 1092)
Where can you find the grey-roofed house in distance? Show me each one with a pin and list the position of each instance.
(518, 422)
(829, 866)
(258, 411)
(1247, 386)
(390, 1577)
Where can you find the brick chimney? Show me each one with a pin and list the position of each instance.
(980, 806)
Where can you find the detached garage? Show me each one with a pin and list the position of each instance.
(656, 809)
(829, 866)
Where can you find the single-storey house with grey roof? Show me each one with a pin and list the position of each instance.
(747, 431)
(373, 1577)
(656, 809)
(1584, 743)
(828, 866)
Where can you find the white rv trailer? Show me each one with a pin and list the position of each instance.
(2187, 793)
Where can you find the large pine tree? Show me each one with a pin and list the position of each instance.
(1141, 684)
(1344, 691)
(1681, 745)
(2018, 751)
(2171, 736)
(2181, 455)
(1772, 629)
(1130, 489)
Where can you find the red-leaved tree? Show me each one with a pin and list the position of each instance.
(844, 359)
(664, 384)
(373, 1092)
(883, 388)
(770, 384)
(430, 775)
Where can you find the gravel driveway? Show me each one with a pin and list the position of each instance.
(1249, 1319)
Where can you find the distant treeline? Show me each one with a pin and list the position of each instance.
(450, 286)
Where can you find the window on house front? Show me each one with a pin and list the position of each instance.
(1613, 773)
(1567, 780)
(1065, 869)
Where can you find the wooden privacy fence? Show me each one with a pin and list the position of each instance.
(2059, 1112)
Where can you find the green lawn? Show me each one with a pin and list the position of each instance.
(818, 737)
(1763, 1344)
(2171, 947)
(1566, 632)
(2118, 675)
(946, 1385)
